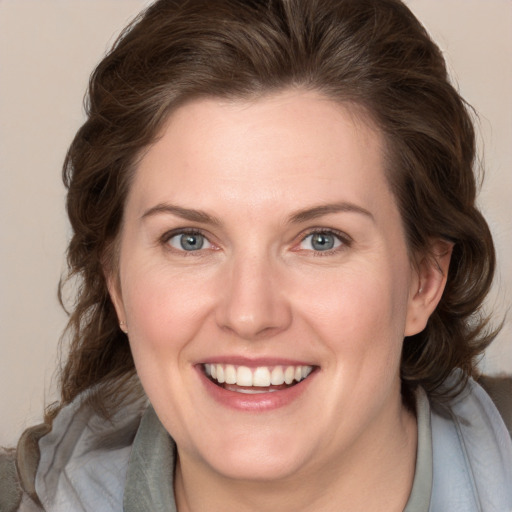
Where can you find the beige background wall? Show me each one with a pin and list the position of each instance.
(47, 50)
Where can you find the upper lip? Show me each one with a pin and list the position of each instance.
(255, 362)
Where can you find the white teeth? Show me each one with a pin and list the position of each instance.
(230, 374)
(306, 370)
(243, 376)
(260, 377)
(277, 377)
(289, 374)
(253, 391)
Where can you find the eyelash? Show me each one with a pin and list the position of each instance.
(343, 238)
(166, 237)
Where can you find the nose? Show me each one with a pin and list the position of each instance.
(252, 302)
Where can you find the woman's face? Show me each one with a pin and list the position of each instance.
(261, 244)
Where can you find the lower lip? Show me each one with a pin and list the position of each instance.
(257, 402)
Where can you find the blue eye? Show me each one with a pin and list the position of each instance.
(189, 242)
(321, 241)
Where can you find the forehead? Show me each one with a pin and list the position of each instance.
(297, 145)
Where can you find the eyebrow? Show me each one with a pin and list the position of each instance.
(185, 213)
(304, 215)
(319, 211)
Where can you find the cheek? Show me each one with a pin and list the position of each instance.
(360, 315)
(165, 309)
(164, 313)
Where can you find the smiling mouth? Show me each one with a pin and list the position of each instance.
(262, 379)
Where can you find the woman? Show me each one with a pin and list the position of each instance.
(274, 224)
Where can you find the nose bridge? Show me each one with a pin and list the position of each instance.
(253, 304)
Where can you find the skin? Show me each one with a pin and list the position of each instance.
(258, 288)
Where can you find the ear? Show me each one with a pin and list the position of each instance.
(428, 285)
(114, 290)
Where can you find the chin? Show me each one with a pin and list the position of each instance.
(258, 467)
(258, 459)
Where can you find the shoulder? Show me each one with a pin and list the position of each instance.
(18, 470)
(10, 489)
(84, 458)
(499, 389)
(75, 464)
(472, 453)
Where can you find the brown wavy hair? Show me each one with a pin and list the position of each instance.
(373, 53)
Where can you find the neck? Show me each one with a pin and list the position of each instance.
(376, 473)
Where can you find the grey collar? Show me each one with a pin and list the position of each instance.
(419, 499)
(150, 475)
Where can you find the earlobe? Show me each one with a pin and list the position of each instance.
(124, 327)
(428, 287)
(114, 290)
